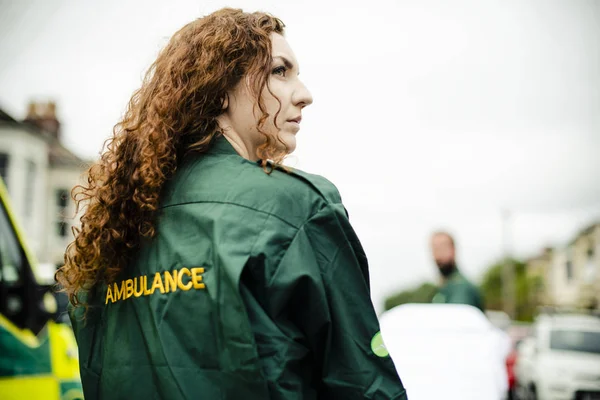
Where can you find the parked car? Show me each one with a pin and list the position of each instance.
(561, 360)
(517, 332)
(523, 369)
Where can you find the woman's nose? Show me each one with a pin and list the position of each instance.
(302, 96)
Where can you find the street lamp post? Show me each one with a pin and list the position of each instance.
(508, 272)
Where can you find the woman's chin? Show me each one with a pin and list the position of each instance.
(289, 139)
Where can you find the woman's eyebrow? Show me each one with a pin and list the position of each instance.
(288, 64)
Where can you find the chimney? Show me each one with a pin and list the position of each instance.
(31, 111)
(43, 115)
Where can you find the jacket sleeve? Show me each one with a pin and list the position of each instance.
(321, 288)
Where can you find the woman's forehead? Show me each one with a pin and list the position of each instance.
(281, 48)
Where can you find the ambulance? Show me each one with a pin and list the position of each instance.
(38, 354)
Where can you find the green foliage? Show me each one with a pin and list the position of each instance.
(491, 289)
(421, 294)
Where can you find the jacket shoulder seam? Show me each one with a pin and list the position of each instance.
(231, 204)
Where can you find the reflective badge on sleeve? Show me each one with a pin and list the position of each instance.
(378, 346)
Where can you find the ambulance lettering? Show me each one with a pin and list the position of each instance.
(166, 282)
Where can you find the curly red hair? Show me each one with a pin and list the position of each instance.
(172, 114)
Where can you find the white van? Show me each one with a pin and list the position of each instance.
(561, 360)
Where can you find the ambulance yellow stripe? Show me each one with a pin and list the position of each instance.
(24, 335)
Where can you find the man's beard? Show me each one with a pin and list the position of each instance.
(447, 268)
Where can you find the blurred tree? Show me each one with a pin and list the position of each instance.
(491, 289)
(421, 294)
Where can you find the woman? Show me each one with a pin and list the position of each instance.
(201, 269)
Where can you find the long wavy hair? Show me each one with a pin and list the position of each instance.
(173, 114)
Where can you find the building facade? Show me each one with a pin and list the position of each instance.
(574, 274)
(40, 173)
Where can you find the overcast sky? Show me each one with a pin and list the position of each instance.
(427, 114)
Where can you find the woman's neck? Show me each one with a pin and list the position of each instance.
(239, 145)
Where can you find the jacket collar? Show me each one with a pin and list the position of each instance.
(220, 145)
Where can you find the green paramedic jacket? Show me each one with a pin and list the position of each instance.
(458, 290)
(255, 287)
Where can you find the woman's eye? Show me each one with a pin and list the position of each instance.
(280, 70)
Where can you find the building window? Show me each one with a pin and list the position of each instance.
(29, 188)
(4, 161)
(569, 268)
(62, 230)
(62, 203)
(62, 199)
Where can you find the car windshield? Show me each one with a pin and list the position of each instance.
(588, 342)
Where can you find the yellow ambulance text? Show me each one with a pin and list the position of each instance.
(166, 282)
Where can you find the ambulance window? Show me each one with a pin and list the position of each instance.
(4, 162)
(11, 258)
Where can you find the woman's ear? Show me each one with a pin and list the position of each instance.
(225, 103)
